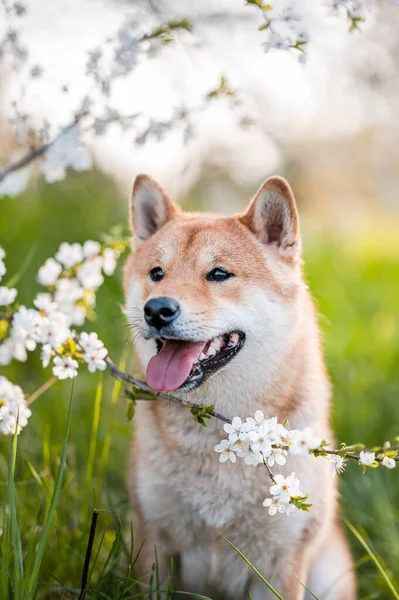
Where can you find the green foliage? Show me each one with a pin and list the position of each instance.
(166, 32)
(356, 286)
(223, 90)
(201, 414)
(260, 4)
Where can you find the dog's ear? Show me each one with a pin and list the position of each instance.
(272, 215)
(150, 208)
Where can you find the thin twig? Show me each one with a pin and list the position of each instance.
(115, 372)
(43, 388)
(269, 471)
(39, 150)
(357, 456)
(4, 316)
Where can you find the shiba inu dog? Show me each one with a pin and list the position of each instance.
(222, 316)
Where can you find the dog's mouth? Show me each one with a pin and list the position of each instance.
(184, 365)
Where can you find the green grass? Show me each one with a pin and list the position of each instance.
(355, 281)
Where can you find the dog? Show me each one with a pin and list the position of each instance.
(222, 316)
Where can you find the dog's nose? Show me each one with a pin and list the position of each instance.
(159, 312)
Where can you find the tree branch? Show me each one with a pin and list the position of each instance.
(140, 385)
(39, 150)
(115, 372)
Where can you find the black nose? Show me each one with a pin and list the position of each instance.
(159, 312)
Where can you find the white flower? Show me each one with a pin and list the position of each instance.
(69, 255)
(49, 272)
(44, 303)
(366, 458)
(95, 360)
(91, 248)
(237, 430)
(24, 327)
(67, 151)
(65, 367)
(285, 488)
(277, 41)
(303, 37)
(241, 447)
(289, 16)
(110, 257)
(253, 458)
(274, 505)
(15, 183)
(277, 432)
(90, 342)
(68, 291)
(275, 455)
(302, 441)
(260, 440)
(54, 331)
(225, 451)
(46, 354)
(6, 352)
(3, 269)
(2, 253)
(13, 408)
(7, 295)
(338, 464)
(389, 463)
(77, 315)
(89, 274)
(10, 349)
(258, 420)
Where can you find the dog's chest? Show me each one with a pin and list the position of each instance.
(200, 495)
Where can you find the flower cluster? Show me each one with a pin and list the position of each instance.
(353, 9)
(260, 440)
(72, 279)
(263, 440)
(75, 274)
(284, 29)
(14, 412)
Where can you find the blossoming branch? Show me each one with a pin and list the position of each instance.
(72, 278)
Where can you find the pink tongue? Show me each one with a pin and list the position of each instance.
(169, 369)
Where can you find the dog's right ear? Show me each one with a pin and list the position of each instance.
(150, 208)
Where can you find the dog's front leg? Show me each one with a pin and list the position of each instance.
(287, 579)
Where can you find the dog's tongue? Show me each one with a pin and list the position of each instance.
(169, 369)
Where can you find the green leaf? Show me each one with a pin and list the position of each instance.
(130, 410)
(200, 413)
(45, 535)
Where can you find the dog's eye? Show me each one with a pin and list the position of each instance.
(157, 274)
(219, 274)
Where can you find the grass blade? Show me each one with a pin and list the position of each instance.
(12, 281)
(255, 570)
(306, 588)
(93, 437)
(43, 543)
(373, 557)
(5, 553)
(16, 538)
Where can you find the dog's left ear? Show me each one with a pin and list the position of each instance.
(273, 217)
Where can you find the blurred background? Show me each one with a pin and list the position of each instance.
(213, 115)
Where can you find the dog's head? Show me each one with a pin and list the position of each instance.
(209, 294)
